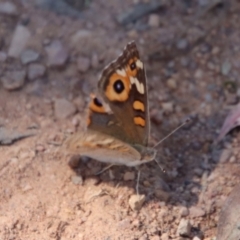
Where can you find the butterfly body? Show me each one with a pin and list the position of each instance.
(118, 125)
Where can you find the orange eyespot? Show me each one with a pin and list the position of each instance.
(96, 106)
(118, 88)
(139, 121)
(131, 68)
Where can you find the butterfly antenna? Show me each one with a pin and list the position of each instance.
(162, 169)
(176, 129)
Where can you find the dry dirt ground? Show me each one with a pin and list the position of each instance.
(192, 55)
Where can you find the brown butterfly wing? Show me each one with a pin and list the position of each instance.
(124, 88)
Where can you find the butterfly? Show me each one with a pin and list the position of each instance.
(118, 122)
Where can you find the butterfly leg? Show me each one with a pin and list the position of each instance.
(138, 180)
(104, 169)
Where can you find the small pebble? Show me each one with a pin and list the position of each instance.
(14, 80)
(3, 56)
(232, 159)
(129, 176)
(124, 224)
(136, 202)
(20, 39)
(83, 64)
(225, 155)
(215, 50)
(29, 56)
(156, 237)
(198, 74)
(198, 171)
(184, 228)
(226, 68)
(195, 212)
(95, 61)
(40, 148)
(165, 236)
(184, 211)
(8, 8)
(167, 107)
(63, 108)
(74, 161)
(154, 20)
(197, 238)
(162, 195)
(77, 180)
(171, 83)
(75, 121)
(57, 54)
(182, 44)
(35, 70)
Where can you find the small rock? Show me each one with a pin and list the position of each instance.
(167, 107)
(195, 212)
(136, 202)
(27, 188)
(83, 64)
(155, 237)
(75, 121)
(81, 35)
(225, 155)
(231, 99)
(133, 34)
(184, 212)
(21, 36)
(8, 8)
(95, 61)
(144, 237)
(46, 41)
(211, 66)
(74, 161)
(124, 224)
(215, 50)
(165, 236)
(203, 3)
(198, 171)
(197, 238)
(154, 20)
(226, 68)
(57, 54)
(171, 83)
(198, 74)
(184, 61)
(161, 195)
(91, 193)
(35, 70)
(184, 228)
(233, 159)
(29, 56)
(156, 116)
(63, 109)
(3, 56)
(129, 176)
(40, 148)
(14, 80)
(77, 180)
(182, 44)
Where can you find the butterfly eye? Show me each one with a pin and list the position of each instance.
(118, 86)
(97, 102)
(133, 66)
